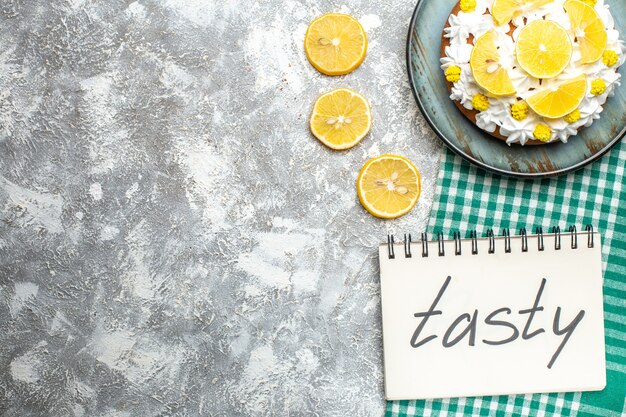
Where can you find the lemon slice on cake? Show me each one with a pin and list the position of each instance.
(486, 67)
(588, 30)
(335, 44)
(503, 11)
(388, 186)
(341, 118)
(560, 100)
(543, 49)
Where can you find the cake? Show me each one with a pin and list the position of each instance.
(531, 71)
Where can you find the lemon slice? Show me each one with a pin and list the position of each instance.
(486, 67)
(588, 30)
(503, 11)
(543, 49)
(561, 100)
(335, 44)
(341, 118)
(388, 186)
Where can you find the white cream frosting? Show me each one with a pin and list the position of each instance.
(463, 25)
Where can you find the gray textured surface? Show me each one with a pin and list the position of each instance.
(172, 239)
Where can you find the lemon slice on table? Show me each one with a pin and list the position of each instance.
(335, 44)
(588, 30)
(341, 118)
(543, 49)
(561, 100)
(503, 11)
(486, 67)
(388, 186)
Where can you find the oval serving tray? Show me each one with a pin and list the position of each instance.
(478, 147)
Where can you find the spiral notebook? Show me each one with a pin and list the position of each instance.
(492, 316)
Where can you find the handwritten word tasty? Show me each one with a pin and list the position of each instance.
(469, 324)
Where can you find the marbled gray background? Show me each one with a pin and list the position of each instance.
(173, 241)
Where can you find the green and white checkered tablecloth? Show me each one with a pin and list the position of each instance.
(468, 198)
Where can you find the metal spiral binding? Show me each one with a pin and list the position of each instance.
(539, 232)
(574, 237)
(407, 246)
(589, 230)
(474, 238)
(557, 237)
(440, 244)
(490, 235)
(524, 235)
(492, 241)
(457, 243)
(507, 240)
(390, 250)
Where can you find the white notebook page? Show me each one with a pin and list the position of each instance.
(482, 284)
